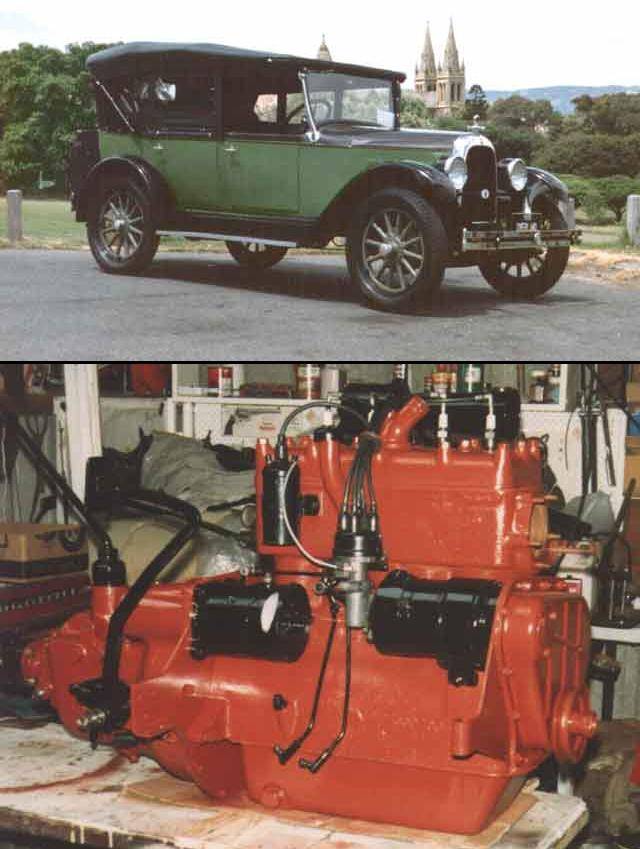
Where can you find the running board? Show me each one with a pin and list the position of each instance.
(220, 237)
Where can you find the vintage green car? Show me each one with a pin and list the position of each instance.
(270, 152)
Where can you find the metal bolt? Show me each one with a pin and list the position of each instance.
(279, 702)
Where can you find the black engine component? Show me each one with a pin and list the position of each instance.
(281, 484)
(450, 621)
(468, 416)
(261, 621)
(467, 412)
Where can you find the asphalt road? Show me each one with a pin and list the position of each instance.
(57, 305)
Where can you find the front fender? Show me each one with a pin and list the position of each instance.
(133, 167)
(543, 183)
(424, 179)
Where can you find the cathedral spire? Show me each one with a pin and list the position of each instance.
(428, 55)
(451, 57)
(323, 51)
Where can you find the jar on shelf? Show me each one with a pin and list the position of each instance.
(538, 388)
(441, 384)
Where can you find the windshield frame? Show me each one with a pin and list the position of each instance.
(314, 132)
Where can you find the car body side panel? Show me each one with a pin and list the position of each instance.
(262, 177)
(326, 170)
(190, 166)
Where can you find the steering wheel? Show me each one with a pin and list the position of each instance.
(324, 103)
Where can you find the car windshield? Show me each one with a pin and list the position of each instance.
(339, 98)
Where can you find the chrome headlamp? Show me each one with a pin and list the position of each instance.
(518, 174)
(456, 169)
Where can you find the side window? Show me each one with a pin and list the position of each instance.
(266, 109)
(273, 108)
(295, 109)
(176, 105)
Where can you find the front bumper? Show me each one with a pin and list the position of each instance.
(530, 238)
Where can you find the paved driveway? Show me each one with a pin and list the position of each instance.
(57, 305)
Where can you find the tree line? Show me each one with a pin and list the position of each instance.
(44, 98)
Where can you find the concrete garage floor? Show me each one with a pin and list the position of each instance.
(57, 304)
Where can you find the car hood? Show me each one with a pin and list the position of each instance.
(441, 141)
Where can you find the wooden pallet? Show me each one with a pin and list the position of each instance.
(54, 786)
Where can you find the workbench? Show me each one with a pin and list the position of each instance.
(54, 786)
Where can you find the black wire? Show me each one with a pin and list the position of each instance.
(603, 383)
(227, 505)
(323, 757)
(587, 452)
(334, 405)
(285, 755)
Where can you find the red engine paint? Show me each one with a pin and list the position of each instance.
(419, 751)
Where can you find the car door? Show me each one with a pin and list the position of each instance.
(259, 165)
(184, 139)
(258, 175)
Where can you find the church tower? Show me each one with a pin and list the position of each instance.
(323, 51)
(426, 72)
(442, 87)
(451, 91)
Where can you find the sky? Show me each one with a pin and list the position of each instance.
(506, 44)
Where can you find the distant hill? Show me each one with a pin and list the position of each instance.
(562, 95)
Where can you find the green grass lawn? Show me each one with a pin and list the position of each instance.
(603, 236)
(50, 223)
(47, 222)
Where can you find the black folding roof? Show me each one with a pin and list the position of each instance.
(147, 56)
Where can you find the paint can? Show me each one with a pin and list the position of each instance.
(308, 381)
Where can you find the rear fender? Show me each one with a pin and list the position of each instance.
(141, 172)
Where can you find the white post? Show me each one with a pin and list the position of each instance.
(14, 215)
(571, 213)
(84, 434)
(633, 219)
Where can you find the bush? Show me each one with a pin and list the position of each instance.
(414, 113)
(512, 143)
(615, 191)
(589, 155)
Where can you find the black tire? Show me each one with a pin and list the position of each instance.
(121, 232)
(254, 255)
(535, 274)
(402, 268)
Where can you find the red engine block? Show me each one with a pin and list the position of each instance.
(420, 749)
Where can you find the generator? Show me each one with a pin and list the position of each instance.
(404, 653)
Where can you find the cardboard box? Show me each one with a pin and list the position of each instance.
(33, 551)
(633, 393)
(633, 444)
(632, 470)
(634, 372)
(632, 535)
